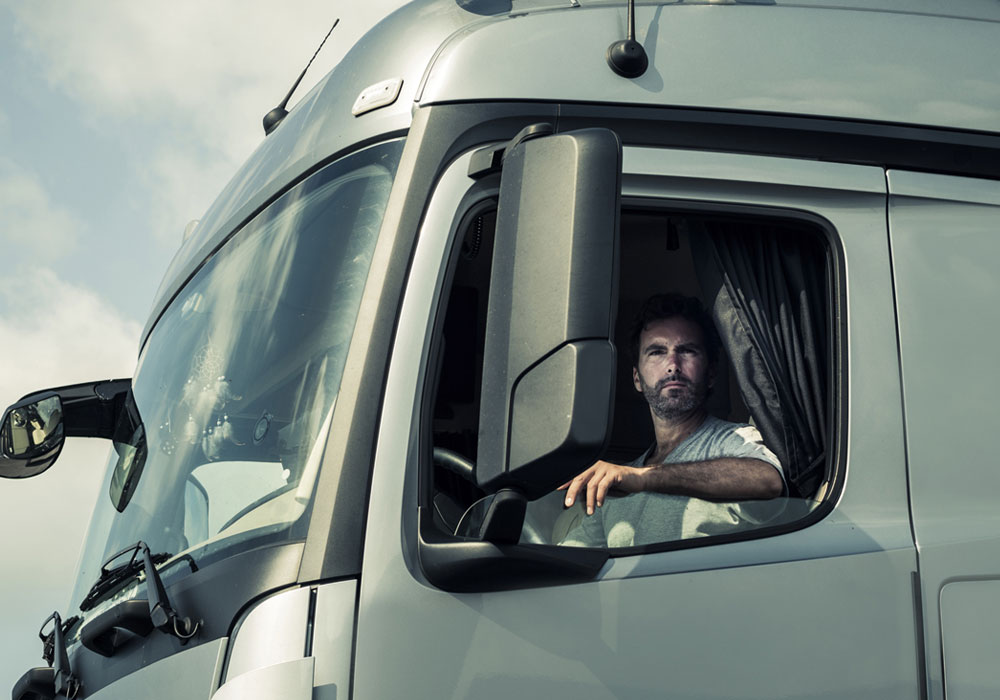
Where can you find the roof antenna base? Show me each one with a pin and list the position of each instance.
(627, 58)
(273, 118)
(276, 115)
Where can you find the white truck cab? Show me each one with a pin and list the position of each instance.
(405, 322)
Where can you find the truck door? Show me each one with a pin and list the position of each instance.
(818, 601)
(944, 247)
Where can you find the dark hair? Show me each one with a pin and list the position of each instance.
(663, 306)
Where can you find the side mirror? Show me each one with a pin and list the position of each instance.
(33, 430)
(548, 387)
(31, 435)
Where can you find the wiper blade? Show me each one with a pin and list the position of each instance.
(137, 616)
(116, 577)
(54, 651)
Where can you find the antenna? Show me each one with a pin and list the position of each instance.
(274, 117)
(627, 58)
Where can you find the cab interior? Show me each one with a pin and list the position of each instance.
(657, 255)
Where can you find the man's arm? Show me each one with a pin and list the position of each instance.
(725, 479)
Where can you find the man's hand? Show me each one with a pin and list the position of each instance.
(724, 479)
(602, 477)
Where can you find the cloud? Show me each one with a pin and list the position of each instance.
(32, 225)
(65, 334)
(47, 518)
(211, 69)
(60, 331)
(199, 75)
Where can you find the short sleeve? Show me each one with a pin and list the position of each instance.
(745, 442)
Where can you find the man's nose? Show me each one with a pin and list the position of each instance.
(673, 365)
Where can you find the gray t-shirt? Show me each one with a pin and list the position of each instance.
(645, 517)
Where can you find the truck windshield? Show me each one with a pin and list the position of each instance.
(220, 445)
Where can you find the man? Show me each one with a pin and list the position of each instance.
(691, 482)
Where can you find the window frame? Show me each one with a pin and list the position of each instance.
(482, 196)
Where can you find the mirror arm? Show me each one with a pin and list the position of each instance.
(505, 517)
(92, 410)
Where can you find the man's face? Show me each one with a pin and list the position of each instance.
(673, 370)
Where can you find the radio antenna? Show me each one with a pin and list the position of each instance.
(627, 58)
(274, 117)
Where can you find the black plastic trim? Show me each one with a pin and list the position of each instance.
(116, 625)
(919, 636)
(465, 565)
(216, 595)
(881, 144)
(36, 684)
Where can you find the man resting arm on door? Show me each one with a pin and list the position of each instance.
(686, 483)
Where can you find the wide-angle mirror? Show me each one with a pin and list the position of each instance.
(31, 436)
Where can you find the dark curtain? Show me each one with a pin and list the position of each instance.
(766, 288)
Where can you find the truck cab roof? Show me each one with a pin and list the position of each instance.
(878, 62)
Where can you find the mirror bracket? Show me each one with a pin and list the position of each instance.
(497, 518)
(33, 430)
(490, 159)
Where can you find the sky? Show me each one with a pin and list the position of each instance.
(119, 123)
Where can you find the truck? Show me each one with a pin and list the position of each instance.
(402, 325)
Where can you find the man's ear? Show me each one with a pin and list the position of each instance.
(635, 380)
(712, 374)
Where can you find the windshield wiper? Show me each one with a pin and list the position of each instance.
(57, 678)
(112, 579)
(104, 633)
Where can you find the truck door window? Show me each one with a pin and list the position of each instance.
(764, 281)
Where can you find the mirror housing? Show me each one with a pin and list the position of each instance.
(548, 386)
(31, 435)
(33, 430)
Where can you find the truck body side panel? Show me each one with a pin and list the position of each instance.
(762, 618)
(945, 243)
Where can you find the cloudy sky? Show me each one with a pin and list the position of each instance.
(119, 122)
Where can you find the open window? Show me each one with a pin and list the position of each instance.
(766, 278)
(766, 282)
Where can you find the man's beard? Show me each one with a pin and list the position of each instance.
(676, 403)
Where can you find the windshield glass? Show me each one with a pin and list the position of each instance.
(219, 447)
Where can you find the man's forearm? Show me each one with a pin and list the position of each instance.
(717, 479)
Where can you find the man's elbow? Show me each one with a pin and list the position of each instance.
(771, 484)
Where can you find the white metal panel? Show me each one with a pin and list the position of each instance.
(970, 633)
(191, 674)
(333, 633)
(288, 680)
(780, 58)
(273, 631)
(777, 617)
(945, 234)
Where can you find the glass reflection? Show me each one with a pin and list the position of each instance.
(236, 386)
(32, 429)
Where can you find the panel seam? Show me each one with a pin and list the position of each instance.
(917, 576)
